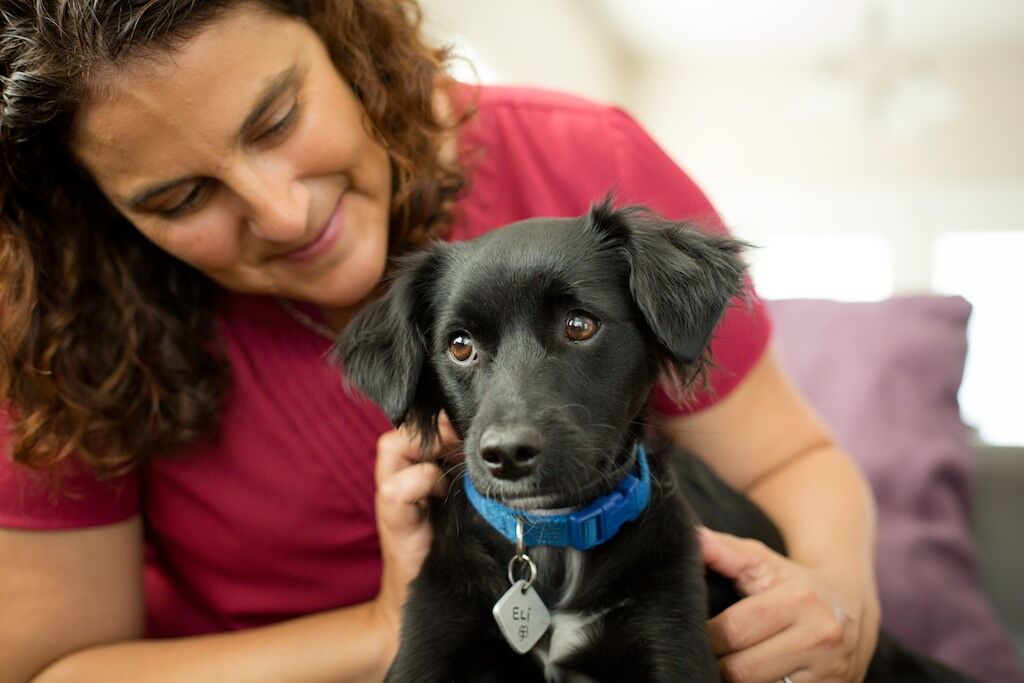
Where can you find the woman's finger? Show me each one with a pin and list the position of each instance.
(447, 447)
(402, 496)
(400, 448)
(815, 647)
(396, 450)
(445, 429)
(752, 565)
(753, 619)
(769, 660)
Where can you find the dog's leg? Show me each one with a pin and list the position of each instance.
(649, 641)
(658, 629)
(432, 638)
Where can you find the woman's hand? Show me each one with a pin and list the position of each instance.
(791, 622)
(405, 483)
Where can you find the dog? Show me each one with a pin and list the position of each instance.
(566, 549)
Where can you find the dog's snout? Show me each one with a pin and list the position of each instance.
(510, 451)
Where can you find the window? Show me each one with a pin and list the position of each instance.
(843, 267)
(985, 268)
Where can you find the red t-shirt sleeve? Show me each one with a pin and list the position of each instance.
(648, 176)
(69, 498)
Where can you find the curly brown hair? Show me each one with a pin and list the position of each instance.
(98, 327)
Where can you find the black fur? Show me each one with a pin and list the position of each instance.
(549, 422)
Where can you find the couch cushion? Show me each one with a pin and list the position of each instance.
(884, 375)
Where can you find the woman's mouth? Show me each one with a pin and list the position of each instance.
(326, 239)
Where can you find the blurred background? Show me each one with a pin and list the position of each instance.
(869, 147)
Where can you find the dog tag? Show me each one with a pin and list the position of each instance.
(522, 616)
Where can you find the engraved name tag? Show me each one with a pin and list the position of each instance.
(522, 617)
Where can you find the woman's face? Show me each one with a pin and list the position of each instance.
(245, 154)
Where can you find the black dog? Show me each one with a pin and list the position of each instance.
(542, 342)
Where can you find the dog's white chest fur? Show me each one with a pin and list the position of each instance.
(569, 631)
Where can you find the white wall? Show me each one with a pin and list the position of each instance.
(552, 43)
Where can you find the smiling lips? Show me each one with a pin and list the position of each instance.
(322, 242)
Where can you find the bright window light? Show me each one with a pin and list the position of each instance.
(843, 267)
(984, 268)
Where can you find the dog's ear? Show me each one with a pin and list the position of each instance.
(383, 349)
(681, 278)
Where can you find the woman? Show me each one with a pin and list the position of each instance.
(195, 197)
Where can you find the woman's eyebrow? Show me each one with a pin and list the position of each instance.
(281, 84)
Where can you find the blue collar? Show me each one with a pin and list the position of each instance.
(583, 528)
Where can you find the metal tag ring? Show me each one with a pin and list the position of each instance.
(522, 557)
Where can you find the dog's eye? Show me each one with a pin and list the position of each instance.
(580, 327)
(461, 349)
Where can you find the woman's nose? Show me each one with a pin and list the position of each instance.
(277, 207)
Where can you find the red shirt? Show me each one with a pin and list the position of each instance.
(275, 519)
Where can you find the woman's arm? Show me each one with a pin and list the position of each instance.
(347, 644)
(766, 441)
(71, 602)
(71, 609)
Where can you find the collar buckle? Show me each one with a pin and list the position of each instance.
(601, 520)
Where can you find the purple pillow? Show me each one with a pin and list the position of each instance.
(884, 375)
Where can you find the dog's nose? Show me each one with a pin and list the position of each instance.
(509, 452)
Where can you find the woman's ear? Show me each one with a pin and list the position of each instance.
(383, 349)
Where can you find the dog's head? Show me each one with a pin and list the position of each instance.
(541, 341)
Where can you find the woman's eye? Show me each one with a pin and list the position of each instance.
(461, 349)
(580, 327)
(193, 198)
(282, 124)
